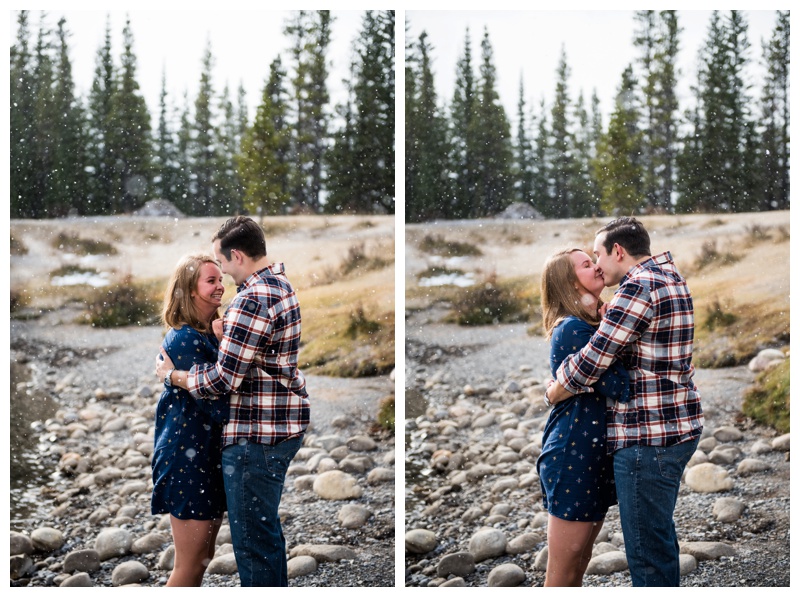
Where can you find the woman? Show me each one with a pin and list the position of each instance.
(187, 470)
(576, 474)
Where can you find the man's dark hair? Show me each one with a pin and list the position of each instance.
(629, 233)
(243, 234)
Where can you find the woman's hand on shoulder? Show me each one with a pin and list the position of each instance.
(216, 325)
(601, 311)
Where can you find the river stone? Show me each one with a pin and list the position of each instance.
(329, 442)
(380, 475)
(454, 582)
(353, 516)
(325, 552)
(81, 560)
(724, 454)
(752, 465)
(47, 539)
(760, 447)
(487, 543)
(133, 487)
(223, 564)
(781, 443)
(420, 541)
(149, 543)
(129, 511)
(336, 485)
(223, 535)
(301, 566)
(479, 471)
(699, 457)
(327, 464)
(607, 563)
(540, 562)
(707, 550)
(688, 563)
(728, 509)
(82, 579)
(506, 575)
(482, 421)
(708, 478)
(166, 561)
(128, 573)
(458, 564)
(112, 543)
(305, 482)
(361, 443)
(603, 547)
(728, 434)
(354, 464)
(524, 543)
(20, 544)
(20, 565)
(117, 424)
(764, 359)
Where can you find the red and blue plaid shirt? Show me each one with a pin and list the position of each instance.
(257, 363)
(649, 326)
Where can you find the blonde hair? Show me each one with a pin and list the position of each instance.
(560, 297)
(179, 308)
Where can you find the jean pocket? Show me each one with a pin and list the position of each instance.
(673, 459)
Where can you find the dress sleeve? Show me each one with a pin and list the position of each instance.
(188, 347)
(574, 335)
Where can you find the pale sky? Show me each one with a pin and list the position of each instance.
(527, 44)
(243, 44)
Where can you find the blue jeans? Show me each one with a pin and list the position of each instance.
(254, 475)
(647, 480)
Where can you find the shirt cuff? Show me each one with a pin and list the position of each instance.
(569, 384)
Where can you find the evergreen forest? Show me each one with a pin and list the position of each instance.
(110, 153)
(727, 152)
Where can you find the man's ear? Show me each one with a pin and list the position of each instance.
(620, 252)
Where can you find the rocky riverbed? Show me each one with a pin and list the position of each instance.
(474, 514)
(87, 521)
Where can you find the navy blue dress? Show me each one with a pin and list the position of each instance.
(575, 471)
(187, 458)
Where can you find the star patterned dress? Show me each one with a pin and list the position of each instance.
(187, 459)
(575, 471)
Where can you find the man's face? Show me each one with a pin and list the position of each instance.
(228, 266)
(605, 261)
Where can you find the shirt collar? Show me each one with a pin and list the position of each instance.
(660, 260)
(275, 269)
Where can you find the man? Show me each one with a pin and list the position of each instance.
(269, 407)
(649, 325)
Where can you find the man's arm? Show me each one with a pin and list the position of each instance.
(246, 323)
(628, 316)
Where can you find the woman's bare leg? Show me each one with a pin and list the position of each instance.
(194, 548)
(569, 549)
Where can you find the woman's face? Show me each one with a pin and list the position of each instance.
(208, 295)
(589, 276)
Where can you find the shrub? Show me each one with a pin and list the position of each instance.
(709, 254)
(491, 302)
(386, 413)
(18, 247)
(360, 325)
(357, 259)
(125, 303)
(72, 243)
(717, 317)
(69, 270)
(767, 401)
(437, 245)
(19, 299)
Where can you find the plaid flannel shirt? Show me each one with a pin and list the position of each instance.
(257, 363)
(649, 325)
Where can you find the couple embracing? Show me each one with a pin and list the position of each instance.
(626, 414)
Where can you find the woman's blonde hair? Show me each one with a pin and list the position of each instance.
(179, 308)
(560, 297)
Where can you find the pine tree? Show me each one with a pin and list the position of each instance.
(22, 124)
(582, 185)
(129, 136)
(542, 190)
(166, 177)
(310, 35)
(205, 153)
(617, 166)
(523, 174)
(185, 185)
(462, 142)
(229, 184)
(68, 189)
(562, 161)
(100, 150)
(492, 135)
(361, 176)
(774, 147)
(427, 182)
(46, 123)
(264, 161)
